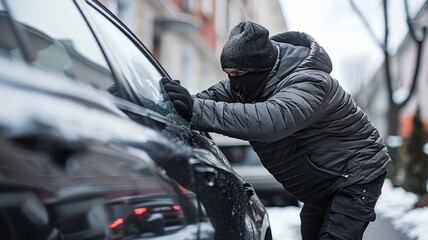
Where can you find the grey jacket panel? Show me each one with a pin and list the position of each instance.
(307, 130)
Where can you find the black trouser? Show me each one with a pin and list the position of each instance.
(345, 215)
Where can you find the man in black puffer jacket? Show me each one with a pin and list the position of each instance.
(307, 130)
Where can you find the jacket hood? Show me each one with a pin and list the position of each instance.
(317, 59)
(297, 51)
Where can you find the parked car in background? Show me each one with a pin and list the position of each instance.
(90, 145)
(247, 164)
(144, 215)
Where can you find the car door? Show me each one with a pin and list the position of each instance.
(65, 146)
(221, 190)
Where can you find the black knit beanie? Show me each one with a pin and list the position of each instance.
(249, 48)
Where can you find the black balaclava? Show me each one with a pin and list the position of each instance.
(250, 49)
(249, 86)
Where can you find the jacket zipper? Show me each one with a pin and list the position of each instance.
(338, 174)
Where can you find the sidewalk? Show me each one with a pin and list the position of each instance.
(383, 229)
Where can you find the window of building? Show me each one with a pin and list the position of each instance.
(189, 5)
(123, 9)
(207, 8)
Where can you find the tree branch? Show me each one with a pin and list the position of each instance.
(410, 23)
(419, 49)
(365, 22)
(388, 77)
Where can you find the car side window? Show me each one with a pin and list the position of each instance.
(61, 41)
(141, 74)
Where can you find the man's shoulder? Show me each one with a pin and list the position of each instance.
(313, 73)
(307, 76)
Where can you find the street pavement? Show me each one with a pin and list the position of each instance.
(382, 229)
(285, 223)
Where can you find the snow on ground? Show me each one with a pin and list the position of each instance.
(285, 223)
(394, 203)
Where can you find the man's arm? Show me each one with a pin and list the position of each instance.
(291, 109)
(219, 92)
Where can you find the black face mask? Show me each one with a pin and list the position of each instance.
(249, 86)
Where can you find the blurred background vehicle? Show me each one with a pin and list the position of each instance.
(247, 164)
(91, 146)
(144, 214)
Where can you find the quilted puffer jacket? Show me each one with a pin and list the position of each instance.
(308, 131)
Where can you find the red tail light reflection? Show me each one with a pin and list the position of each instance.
(139, 211)
(116, 223)
(176, 207)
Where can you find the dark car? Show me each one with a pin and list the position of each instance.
(90, 145)
(247, 164)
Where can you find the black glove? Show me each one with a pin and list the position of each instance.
(180, 98)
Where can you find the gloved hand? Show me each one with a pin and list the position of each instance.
(180, 98)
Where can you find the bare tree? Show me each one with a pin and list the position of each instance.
(418, 35)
